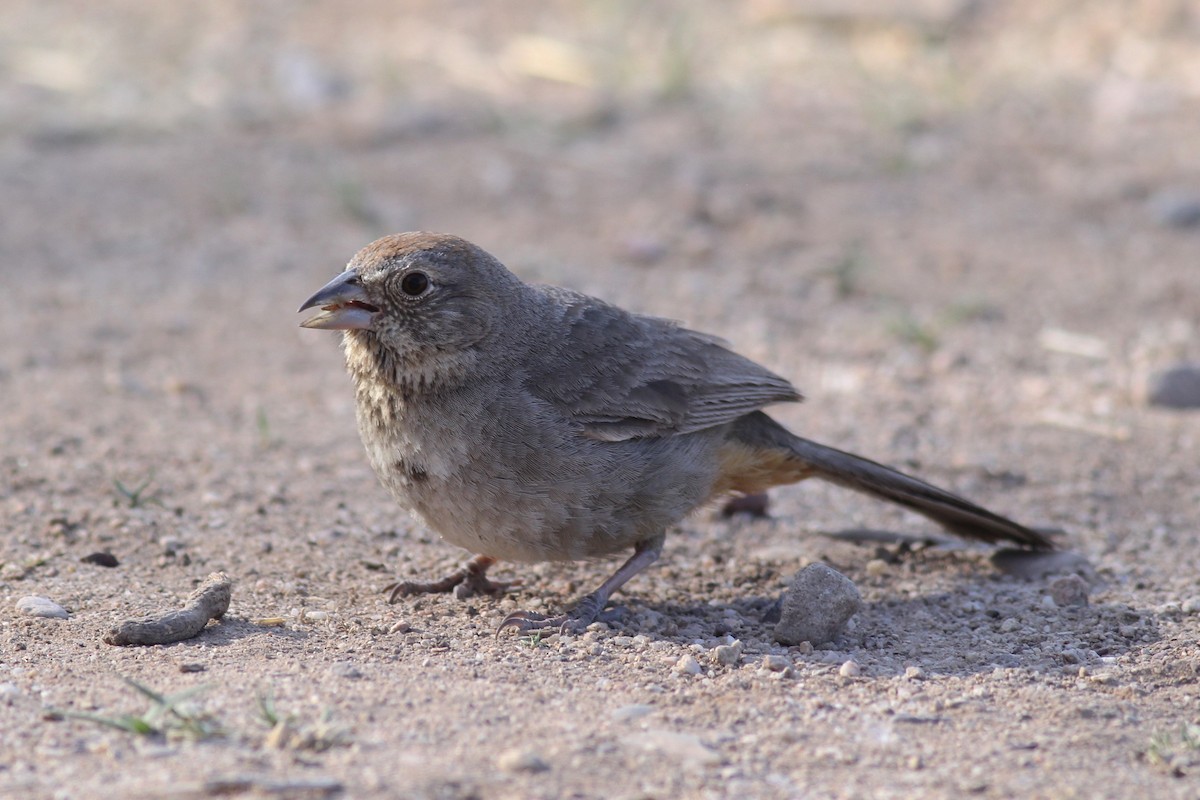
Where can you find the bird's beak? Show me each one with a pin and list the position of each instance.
(343, 303)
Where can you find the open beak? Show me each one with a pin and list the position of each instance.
(343, 303)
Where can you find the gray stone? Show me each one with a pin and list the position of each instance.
(728, 654)
(522, 761)
(681, 747)
(345, 669)
(36, 606)
(630, 713)
(1071, 590)
(775, 663)
(1175, 387)
(1176, 208)
(817, 606)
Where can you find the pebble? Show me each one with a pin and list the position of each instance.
(1009, 625)
(9, 692)
(817, 606)
(1175, 387)
(37, 606)
(683, 747)
(1175, 208)
(521, 761)
(877, 567)
(850, 669)
(1069, 591)
(728, 654)
(775, 663)
(171, 545)
(644, 249)
(914, 673)
(631, 712)
(101, 559)
(1191, 605)
(687, 665)
(345, 669)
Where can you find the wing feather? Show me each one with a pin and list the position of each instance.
(624, 376)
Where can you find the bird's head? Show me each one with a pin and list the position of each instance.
(415, 301)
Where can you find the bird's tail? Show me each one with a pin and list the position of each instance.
(793, 458)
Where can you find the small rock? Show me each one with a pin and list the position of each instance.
(345, 669)
(1069, 591)
(1009, 625)
(36, 606)
(9, 692)
(1175, 208)
(1048, 602)
(817, 606)
(1191, 605)
(521, 761)
(1175, 387)
(914, 673)
(645, 249)
(850, 669)
(171, 545)
(775, 663)
(316, 616)
(876, 567)
(192, 666)
(683, 747)
(687, 665)
(400, 626)
(630, 713)
(101, 559)
(728, 654)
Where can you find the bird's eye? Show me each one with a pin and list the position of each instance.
(414, 284)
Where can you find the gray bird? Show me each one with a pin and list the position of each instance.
(534, 423)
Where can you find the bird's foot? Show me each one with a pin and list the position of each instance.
(574, 621)
(467, 581)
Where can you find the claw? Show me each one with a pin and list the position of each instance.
(468, 580)
(403, 589)
(574, 621)
(526, 621)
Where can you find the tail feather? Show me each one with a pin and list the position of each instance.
(959, 516)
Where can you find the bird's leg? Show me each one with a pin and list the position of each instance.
(587, 609)
(469, 579)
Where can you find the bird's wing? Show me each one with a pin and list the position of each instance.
(624, 376)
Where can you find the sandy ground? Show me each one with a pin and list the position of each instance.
(947, 226)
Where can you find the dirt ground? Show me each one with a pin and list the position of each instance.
(960, 228)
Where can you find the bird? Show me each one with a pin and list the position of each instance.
(531, 423)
